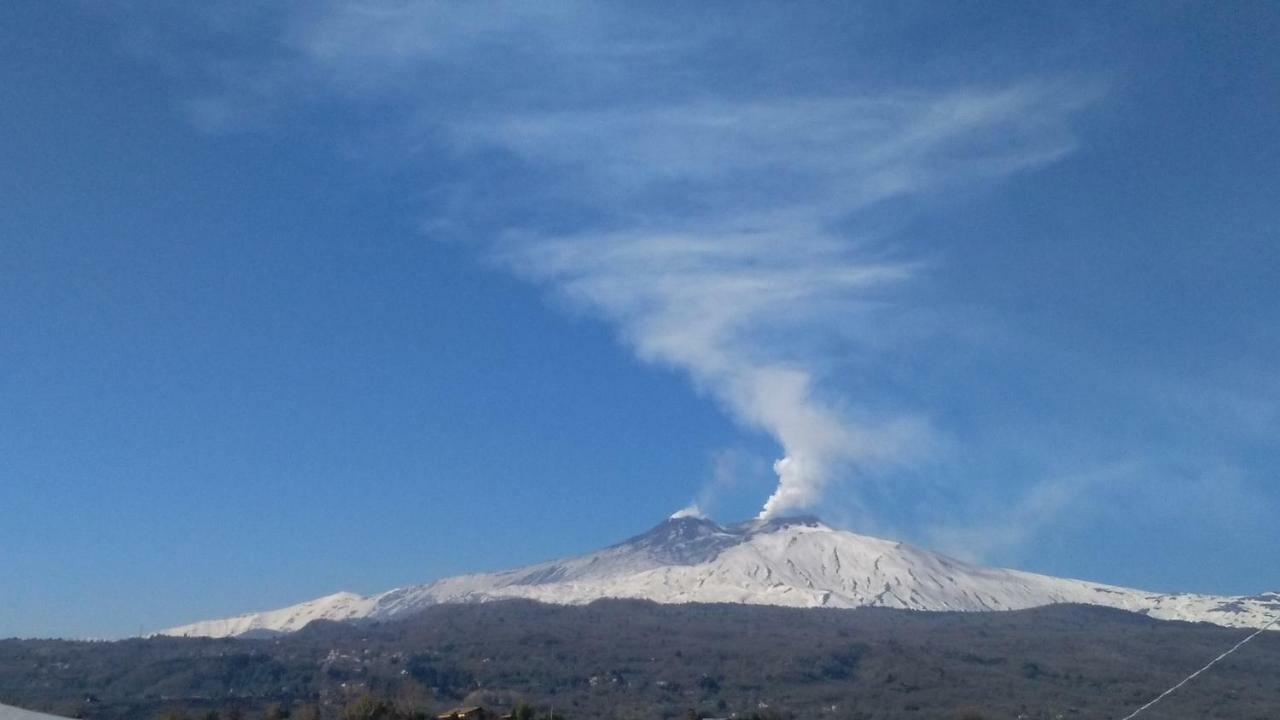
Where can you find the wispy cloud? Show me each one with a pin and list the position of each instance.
(1003, 526)
(815, 158)
(1185, 504)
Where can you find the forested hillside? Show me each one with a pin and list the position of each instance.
(630, 659)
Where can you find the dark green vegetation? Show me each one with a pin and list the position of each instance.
(639, 660)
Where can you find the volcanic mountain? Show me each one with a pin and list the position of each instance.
(797, 562)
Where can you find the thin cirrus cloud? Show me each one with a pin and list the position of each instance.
(728, 237)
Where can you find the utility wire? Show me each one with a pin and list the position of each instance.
(1195, 674)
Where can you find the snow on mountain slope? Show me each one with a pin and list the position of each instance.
(797, 562)
(8, 712)
(339, 606)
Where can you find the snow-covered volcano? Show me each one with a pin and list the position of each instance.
(797, 562)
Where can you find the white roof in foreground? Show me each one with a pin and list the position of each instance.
(13, 713)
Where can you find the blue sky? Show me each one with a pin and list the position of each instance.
(348, 296)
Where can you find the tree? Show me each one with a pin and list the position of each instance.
(412, 700)
(367, 707)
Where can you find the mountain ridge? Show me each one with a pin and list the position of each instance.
(793, 561)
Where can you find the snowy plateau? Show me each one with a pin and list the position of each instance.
(795, 562)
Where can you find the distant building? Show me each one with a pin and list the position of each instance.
(470, 713)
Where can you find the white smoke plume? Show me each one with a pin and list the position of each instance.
(729, 237)
(691, 511)
(707, 304)
(752, 292)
